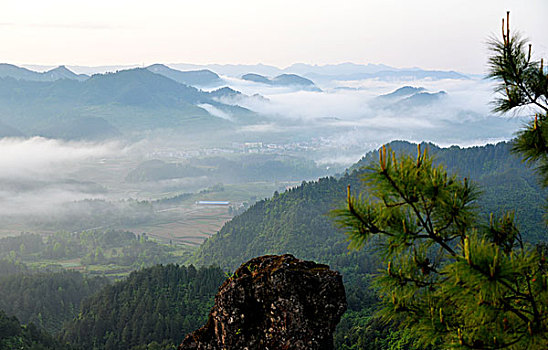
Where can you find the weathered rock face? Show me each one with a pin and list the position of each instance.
(274, 303)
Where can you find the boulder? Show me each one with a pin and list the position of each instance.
(274, 302)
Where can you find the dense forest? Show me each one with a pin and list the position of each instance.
(153, 308)
(13, 335)
(46, 299)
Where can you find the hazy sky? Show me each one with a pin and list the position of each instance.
(435, 34)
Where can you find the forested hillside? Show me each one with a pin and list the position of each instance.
(154, 307)
(15, 336)
(298, 222)
(46, 299)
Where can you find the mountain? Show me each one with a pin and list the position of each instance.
(225, 92)
(9, 70)
(234, 70)
(61, 72)
(138, 87)
(86, 128)
(197, 78)
(46, 299)
(404, 91)
(238, 169)
(14, 335)
(342, 71)
(157, 170)
(296, 221)
(157, 305)
(256, 78)
(390, 75)
(107, 104)
(420, 99)
(282, 80)
(292, 79)
(408, 97)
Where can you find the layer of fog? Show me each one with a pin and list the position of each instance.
(37, 174)
(348, 116)
(38, 158)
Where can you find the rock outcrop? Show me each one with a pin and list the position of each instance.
(273, 303)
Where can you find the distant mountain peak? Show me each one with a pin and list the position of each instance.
(285, 79)
(257, 78)
(197, 78)
(225, 92)
(404, 91)
(62, 72)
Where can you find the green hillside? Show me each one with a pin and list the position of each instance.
(47, 300)
(106, 105)
(15, 336)
(297, 221)
(158, 305)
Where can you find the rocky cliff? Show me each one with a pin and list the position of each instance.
(273, 303)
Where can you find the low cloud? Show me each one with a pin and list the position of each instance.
(37, 175)
(349, 113)
(41, 158)
(216, 112)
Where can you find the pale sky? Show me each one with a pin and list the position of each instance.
(431, 34)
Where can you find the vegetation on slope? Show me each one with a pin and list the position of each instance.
(15, 336)
(157, 305)
(46, 299)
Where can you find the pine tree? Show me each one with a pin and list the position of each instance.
(523, 84)
(451, 280)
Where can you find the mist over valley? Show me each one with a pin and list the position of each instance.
(304, 175)
(76, 146)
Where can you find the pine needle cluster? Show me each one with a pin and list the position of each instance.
(450, 280)
(522, 83)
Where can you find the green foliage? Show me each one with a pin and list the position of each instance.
(15, 336)
(46, 299)
(523, 82)
(154, 307)
(126, 101)
(120, 248)
(8, 267)
(296, 222)
(447, 280)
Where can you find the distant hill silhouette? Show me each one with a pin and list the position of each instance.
(257, 78)
(61, 72)
(408, 97)
(404, 91)
(224, 92)
(203, 77)
(105, 105)
(87, 128)
(282, 80)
